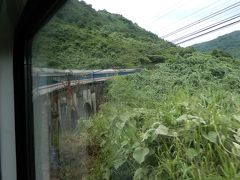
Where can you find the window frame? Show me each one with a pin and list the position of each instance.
(35, 14)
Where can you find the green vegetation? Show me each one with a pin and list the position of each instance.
(78, 37)
(179, 121)
(179, 118)
(75, 157)
(228, 43)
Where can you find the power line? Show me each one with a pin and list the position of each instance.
(167, 9)
(217, 29)
(172, 9)
(193, 13)
(203, 19)
(207, 28)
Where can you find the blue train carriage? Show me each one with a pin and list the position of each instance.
(128, 71)
(112, 72)
(81, 74)
(46, 76)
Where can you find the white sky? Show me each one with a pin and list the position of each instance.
(162, 17)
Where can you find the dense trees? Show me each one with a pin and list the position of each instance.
(176, 119)
(80, 37)
(229, 44)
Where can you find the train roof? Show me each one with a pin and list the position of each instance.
(49, 71)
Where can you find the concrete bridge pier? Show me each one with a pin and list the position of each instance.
(58, 112)
(42, 118)
(63, 113)
(68, 106)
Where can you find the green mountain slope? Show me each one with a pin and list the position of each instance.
(229, 43)
(80, 37)
(178, 120)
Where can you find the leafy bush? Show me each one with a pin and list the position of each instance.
(80, 37)
(157, 58)
(179, 121)
(219, 53)
(227, 44)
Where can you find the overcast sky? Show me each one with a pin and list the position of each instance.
(163, 17)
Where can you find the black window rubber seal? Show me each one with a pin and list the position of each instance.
(35, 14)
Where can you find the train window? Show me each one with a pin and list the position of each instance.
(112, 100)
(73, 60)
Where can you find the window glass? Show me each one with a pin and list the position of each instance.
(74, 57)
(114, 101)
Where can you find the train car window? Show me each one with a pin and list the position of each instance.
(103, 98)
(75, 57)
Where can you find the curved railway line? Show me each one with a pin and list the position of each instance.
(47, 80)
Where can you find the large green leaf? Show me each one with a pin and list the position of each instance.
(140, 153)
(190, 118)
(162, 130)
(237, 146)
(191, 153)
(140, 174)
(211, 136)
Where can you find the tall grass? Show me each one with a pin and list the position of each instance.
(180, 121)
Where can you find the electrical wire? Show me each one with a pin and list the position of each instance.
(217, 29)
(193, 13)
(172, 10)
(207, 28)
(206, 24)
(203, 19)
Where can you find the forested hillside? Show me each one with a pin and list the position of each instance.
(80, 37)
(229, 43)
(178, 118)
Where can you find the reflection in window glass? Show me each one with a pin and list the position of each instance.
(114, 101)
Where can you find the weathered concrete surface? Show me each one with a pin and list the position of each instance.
(70, 104)
(82, 102)
(58, 112)
(42, 118)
